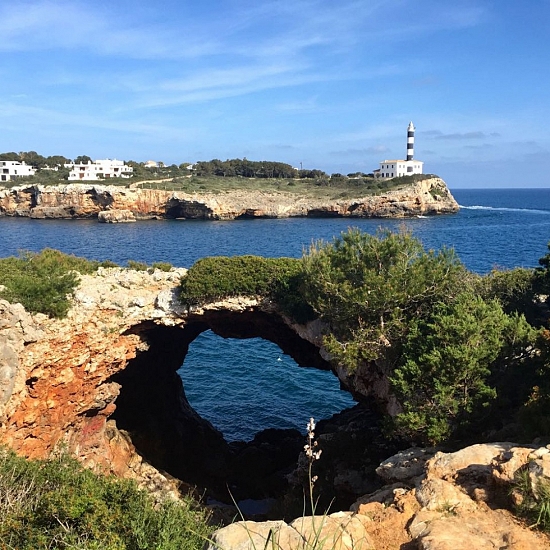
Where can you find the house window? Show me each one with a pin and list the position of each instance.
(409, 168)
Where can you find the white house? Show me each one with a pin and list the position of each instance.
(398, 168)
(11, 169)
(98, 170)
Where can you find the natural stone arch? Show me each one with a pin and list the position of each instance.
(152, 408)
(103, 383)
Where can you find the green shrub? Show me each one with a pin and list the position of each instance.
(368, 288)
(513, 288)
(218, 277)
(58, 504)
(43, 281)
(455, 357)
(137, 266)
(163, 266)
(444, 377)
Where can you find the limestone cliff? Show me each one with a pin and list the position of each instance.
(102, 383)
(426, 197)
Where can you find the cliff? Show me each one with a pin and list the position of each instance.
(103, 385)
(116, 203)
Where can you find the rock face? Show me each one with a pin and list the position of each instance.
(102, 384)
(426, 197)
(454, 501)
(115, 216)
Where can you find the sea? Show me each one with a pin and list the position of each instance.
(245, 386)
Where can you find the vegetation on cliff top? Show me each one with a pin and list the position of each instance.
(217, 176)
(461, 356)
(59, 504)
(44, 281)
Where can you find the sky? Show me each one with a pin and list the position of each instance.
(324, 84)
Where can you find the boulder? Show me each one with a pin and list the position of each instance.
(250, 535)
(338, 531)
(405, 465)
(116, 216)
(474, 460)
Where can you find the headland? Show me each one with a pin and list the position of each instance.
(115, 203)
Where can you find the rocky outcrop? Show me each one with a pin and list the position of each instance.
(103, 385)
(426, 197)
(456, 501)
(115, 216)
(103, 382)
(337, 531)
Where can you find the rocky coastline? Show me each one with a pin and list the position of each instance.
(115, 204)
(102, 384)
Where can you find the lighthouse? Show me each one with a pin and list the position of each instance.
(398, 168)
(410, 141)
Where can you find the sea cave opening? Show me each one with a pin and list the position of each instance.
(245, 386)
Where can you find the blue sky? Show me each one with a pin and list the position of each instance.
(327, 84)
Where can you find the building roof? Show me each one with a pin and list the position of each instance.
(401, 160)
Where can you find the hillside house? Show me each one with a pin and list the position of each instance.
(99, 170)
(12, 169)
(398, 168)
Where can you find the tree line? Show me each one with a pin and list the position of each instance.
(32, 158)
(221, 168)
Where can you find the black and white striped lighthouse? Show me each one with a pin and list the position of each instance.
(410, 141)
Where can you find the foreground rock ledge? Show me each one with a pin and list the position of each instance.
(122, 204)
(448, 501)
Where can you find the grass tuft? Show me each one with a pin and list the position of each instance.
(59, 504)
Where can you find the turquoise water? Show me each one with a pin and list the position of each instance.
(495, 228)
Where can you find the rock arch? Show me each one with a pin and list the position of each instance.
(103, 383)
(151, 406)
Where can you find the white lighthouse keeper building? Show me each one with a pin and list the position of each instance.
(398, 168)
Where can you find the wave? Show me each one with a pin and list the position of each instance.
(505, 209)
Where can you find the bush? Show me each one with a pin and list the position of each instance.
(444, 378)
(455, 357)
(44, 281)
(58, 504)
(368, 287)
(137, 266)
(163, 266)
(217, 277)
(513, 288)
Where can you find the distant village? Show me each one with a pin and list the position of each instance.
(85, 169)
